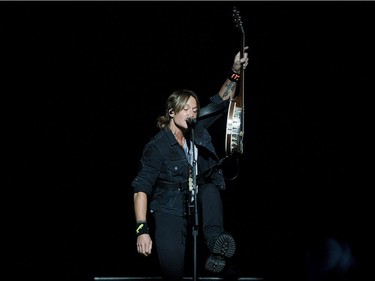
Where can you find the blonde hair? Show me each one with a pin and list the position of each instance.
(176, 102)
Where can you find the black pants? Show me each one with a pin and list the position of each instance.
(171, 231)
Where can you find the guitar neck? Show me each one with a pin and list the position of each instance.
(240, 99)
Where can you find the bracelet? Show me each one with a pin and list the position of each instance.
(141, 228)
(233, 76)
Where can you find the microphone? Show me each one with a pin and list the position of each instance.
(191, 121)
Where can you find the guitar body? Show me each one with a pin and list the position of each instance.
(235, 119)
(234, 131)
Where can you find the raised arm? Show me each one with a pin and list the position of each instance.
(228, 89)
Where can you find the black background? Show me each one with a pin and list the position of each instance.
(83, 83)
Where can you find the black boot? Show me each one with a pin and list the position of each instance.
(223, 248)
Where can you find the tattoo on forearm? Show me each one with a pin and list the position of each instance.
(229, 88)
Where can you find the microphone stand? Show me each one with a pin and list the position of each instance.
(194, 204)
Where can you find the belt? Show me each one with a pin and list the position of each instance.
(172, 185)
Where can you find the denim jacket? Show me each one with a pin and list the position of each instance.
(163, 159)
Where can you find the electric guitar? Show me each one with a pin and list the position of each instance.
(235, 119)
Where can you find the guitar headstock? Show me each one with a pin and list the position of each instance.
(237, 19)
